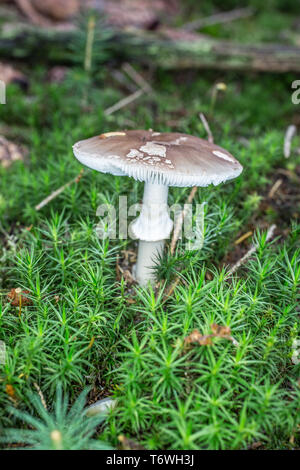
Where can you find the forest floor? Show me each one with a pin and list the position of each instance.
(81, 323)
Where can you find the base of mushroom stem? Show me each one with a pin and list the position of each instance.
(146, 260)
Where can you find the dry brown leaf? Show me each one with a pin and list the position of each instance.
(256, 445)
(205, 340)
(129, 256)
(19, 297)
(129, 444)
(223, 332)
(10, 391)
(197, 337)
(123, 268)
(220, 331)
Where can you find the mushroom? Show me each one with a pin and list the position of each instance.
(160, 160)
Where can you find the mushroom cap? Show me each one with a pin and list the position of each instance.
(173, 159)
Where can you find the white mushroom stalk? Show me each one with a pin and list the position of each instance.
(159, 160)
(152, 227)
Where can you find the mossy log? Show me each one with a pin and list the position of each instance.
(169, 49)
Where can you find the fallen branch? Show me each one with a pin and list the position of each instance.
(219, 18)
(166, 48)
(137, 78)
(123, 80)
(123, 102)
(56, 193)
(253, 249)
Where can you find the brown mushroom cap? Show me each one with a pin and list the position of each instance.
(172, 159)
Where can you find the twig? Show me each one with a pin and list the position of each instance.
(137, 78)
(243, 237)
(123, 80)
(219, 18)
(252, 250)
(40, 395)
(123, 102)
(274, 188)
(179, 222)
(172, 288)
(290, 133)
(56, 193)
(210, 137)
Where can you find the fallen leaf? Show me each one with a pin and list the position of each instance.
(207, 340)
(197, 337)
(19, 297)
(129, 444)
(10, 391)
(125, 273)
(129, 256)
(221, 331)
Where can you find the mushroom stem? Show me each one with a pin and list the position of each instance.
(152, 227)
(147, 255)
